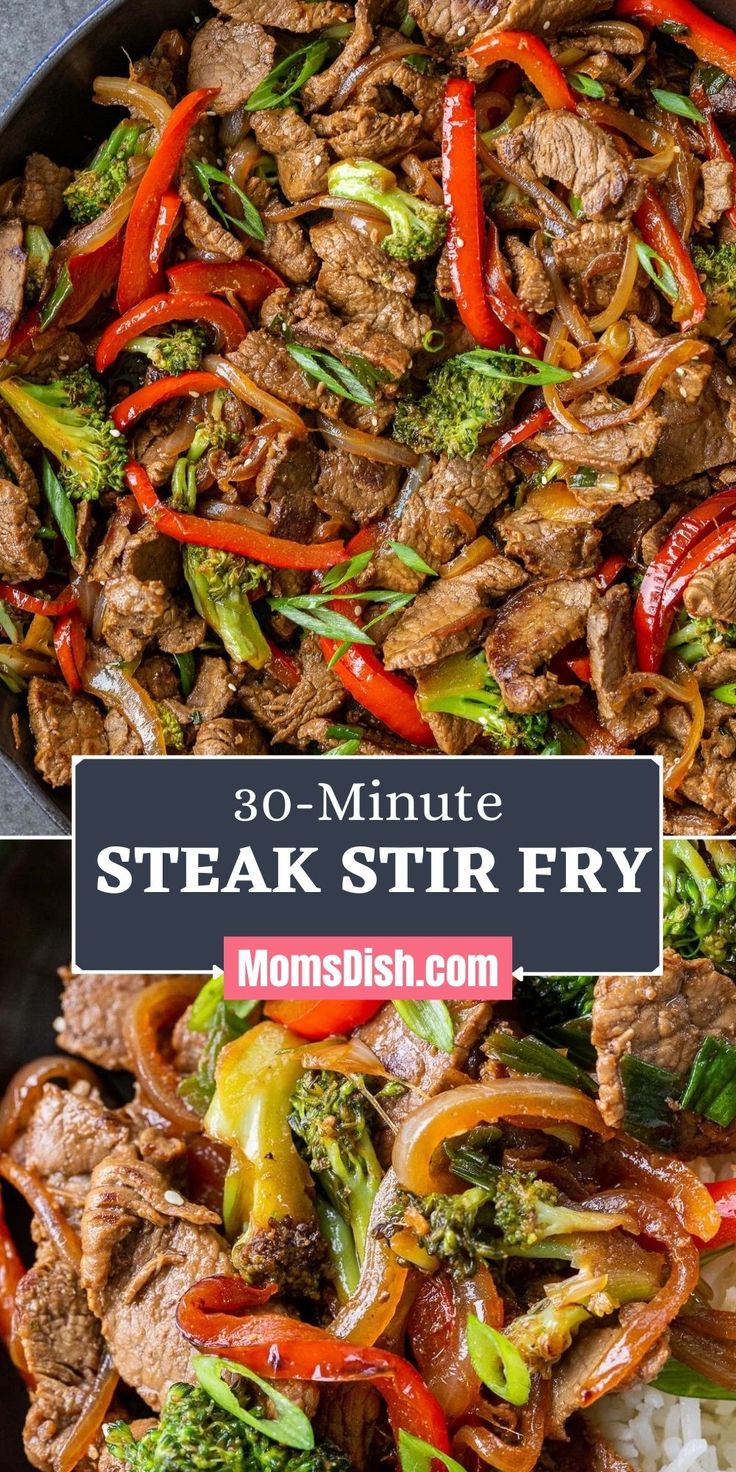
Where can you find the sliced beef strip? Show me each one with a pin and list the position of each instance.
(717, 178)
(201, 228)
(365, 132)
(285, 248)
(716, 669)
(22, 558)
(143, 1246)
(445, 617)
(266, 360)
(63, 724)
(12, 276)
(605, 449)
(695, 436)
(660, 1019)
(287, 15)
(687, 820)
(38, 198)
(688, 381)
(711, 780)
(223, 737)
(285, 483)
(550, 548)
(610, 638)
(416, 1063)
(361, 281)
(712, 592)
(93, 1010)
(231, 55)
(531, 282)
(459, 21)
(425, 523)
(318, 91)
(576, 153)
(353, 488)
(70, 1131)
(181, 630)
(309, 318)
(213, 689)
(285, 712)
(164, 70)
(530, 627)
(301, 159)
(134, 612)
(164, 436)
(63, 1346)
(84, 526)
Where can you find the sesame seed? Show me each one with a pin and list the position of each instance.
(729, 380)
(459, 244)
(231, 687)
(546, 25)
(58, 1024)
(318, 158)
(461, 30)
(173, 1198)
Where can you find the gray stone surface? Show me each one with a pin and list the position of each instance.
(26, 34)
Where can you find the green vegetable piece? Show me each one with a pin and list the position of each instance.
(220, 584)
(207, 177)
(677, 1379)
(69, 418)
(462, 685)
(681, 106)
(498, 1363)
(647, 1089)
(710, 1089)
(529, 1056)
(418, 229)
(289, 1426)
(411, 559)
(657, 270)
(587, 85)
(60, 506)
(431, 1021)
(329, 1118)
(286, 78)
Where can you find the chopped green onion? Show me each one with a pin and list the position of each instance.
(345, 572)
(7, 623)
(575, 204)
(207, 176)
(681, 106)
(320, 619)
(290, 1426)
(647, 1088)
(61, 506)
(725, 693)
(673, 28)
(53, 305)
(285, 79)
(408, 26)
(433, 341)
(328, 369)
(344, 733)
(529, 1056)
(431, 1021)
(657, 270)
(678, 1379)
(587, 85)
(346, 748)
(512, 367)
(585, 475)
(186, 665)
(210, 997)
(498, 1363)
(411, 559)
(711, 1084)
(416, 1455)
(469, 1160)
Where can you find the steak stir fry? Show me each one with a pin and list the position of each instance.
(370, 388)
(448, 1234)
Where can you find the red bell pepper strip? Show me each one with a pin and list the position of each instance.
(168, 215)
(65, 602)
(137, 276)
(579, 664)
(229, 536)
(250, 280)
(125, 414)
(216, 1315)
(715, 143)
(519, 432)
(321, 1019)
(609, 569)
(70, 646)
(708, 38)
(504, 301)
(466, 221)
(156, 311)
(658, 231)
(581, 719)
(650, 626)
(723, 1195)
(82, 281)
(535, 60)
(282, 666)
(388, 697)
(717, 545)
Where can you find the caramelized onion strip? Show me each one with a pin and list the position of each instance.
(249, 392)
(88, 1424)
(624, 287)
(153, 1011)
(369, 446)
(25, 1087)
(370, 1309)
(42, 1204)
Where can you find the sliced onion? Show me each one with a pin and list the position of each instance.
(555, 215)
(567, 309)
(86, 1428)
(471, 556)
(369, 446)
(624, 287)
(107, 225)
(552, 354)
(374, 62)
(142, 101)
(651, 136)
(673, 357)
(347, 1056)
(703, 1353)
(111, 683)
(370, 1309)
(19, 662)
(614, 30)
(249, 392)
(624, 1158)
(422, 178)
(521, 1451)
(228, 511)
(688, 692)
(455, 1112)
(152, 1011)
(42, 1204)
(25, 1088)
(325, 202)
(240, 166)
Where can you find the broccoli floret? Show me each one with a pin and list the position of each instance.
(69, 418)
(178, 350)
(462, 685)
(216, 432)
(509, 1218)
(543, 1335)
(38, 251)
(699, 900)
(418, 228)
(268, 1189)
(194, 1434)
(716, 266)
(94, 188)
(220, 584)
(328, 1115)
(698, 638)
(460, 402)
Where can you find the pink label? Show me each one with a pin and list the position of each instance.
(412, 967)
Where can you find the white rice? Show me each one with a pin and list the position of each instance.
(666, 1433)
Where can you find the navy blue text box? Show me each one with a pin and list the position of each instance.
(457, 816)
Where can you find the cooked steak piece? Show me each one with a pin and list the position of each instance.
(695, 436)
(354, 488)
(551, 548)
(93, 1009)
(362, 282)
(717, 179)
(64, 724)
(285, 712)
(224, 737)
(300, 157)
(605, 449)
(38, 198)
(712, 592)
(12, 276)
(285, 248)
(143, 1246)
(415, 1062)
(233, 56)
(460, 21)
(531, 282)
(213, 689)
(660, 1019)
(266, 360)
(576, 153)
(448, 614)
(68, 1134)
(22, 558)
(433, 518)
(312, 323)
(530, 627)
(321, 88)
(364, 132)
(610, 637)
(287, 15)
